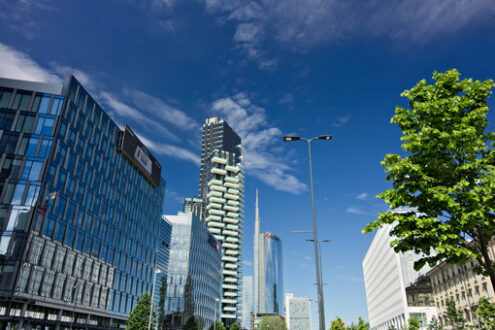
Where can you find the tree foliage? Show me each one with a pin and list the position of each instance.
(434, 324)
(219, 326)
(191, 324)
(235, 326)
(486, 314)
(446, 180)
(453, 316)
(361, 325)
(271, 323)
(413, 324)
(338, 324)
(139, 316)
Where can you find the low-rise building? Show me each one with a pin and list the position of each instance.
(297, 312)
(461, 284)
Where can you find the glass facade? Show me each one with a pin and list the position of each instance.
(270, 275)
(78, 216)
(194, 273)
(162, 261)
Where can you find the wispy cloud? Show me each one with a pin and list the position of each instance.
(170, 150)
(341, 121)
(303, 24)
(126, 112)
(159, 108)
(175, 196)
(362, 196)
(354, 210)
(247, 263)
(250, 122)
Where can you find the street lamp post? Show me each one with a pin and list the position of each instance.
(157, 271)
(321, 305)
(321, 257)
(215, 317)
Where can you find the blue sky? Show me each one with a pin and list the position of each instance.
(270, 68)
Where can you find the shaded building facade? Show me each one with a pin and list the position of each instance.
(270, 282)
(80, 206)
(247, 302)
(194, 279)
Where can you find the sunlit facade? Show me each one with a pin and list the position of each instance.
(222, 190)
(297, 312)
(78, 213)
(194, 273)
(395, 291)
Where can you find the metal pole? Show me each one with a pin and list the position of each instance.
(321, 308)
(152, 297)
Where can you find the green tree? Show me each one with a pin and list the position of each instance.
(392, 327)
(235, 326)
(445, 181)
(434, 324)
(219, 326)
(139, 316)
(413, 324)
(272, 323)
(362, 325)
(486, 314)
(338, 324)
(453, 316)
(191, 324)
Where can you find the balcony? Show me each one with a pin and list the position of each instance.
(231, 179)
(230, 232)
(217, 200)
(231, 208)
(230, 196)
(216, 212)
(219, 160)
(215, 224)
(218, 171)
(230, 168)
(215, 182)
(213, 206)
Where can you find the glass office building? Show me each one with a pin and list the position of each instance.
(162, 258)
(80, 208)
(270, 285)
(194, 285)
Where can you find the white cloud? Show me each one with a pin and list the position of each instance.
(362, 196)
(250, 122)
(355, 210)
(341, 121)
(18, 65)
(170, 150)
(126, 112)
(161, 109)
(303, 24)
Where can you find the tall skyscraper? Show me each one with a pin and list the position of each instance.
(389, 280)
(247, 302)
(194, 273)
(297, 312)
(268, 280)
(222, 190)
(80, 208)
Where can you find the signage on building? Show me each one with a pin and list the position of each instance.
(133, 149)
(213, 242)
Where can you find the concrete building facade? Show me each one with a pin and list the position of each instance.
(394, 290)
(463, 286)
(297, 312)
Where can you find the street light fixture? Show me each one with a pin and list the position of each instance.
(157, 271)
(215, 321)
(321, 305)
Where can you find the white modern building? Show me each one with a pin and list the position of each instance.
(247, 302)
(222, 190)
(297, 312)
(391, 281)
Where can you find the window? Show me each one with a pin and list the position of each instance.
(57, 105)
(32, 170)
(18, 218)
(25, 123)
(28, 146)
(5, 96)
(6, 119)
(41, 103)
(44, 126)
(8, 143)
(21, 101)
(45, 148)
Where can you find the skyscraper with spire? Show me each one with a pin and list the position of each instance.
(267, 260)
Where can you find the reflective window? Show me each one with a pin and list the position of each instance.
(32, 170)
(6, 119)
(5, 96)
(44, 126)
(57, 105)
(21, 101)
(8, 143)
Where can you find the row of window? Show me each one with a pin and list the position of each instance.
(29, 101)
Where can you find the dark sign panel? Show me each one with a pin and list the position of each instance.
(134, 150)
